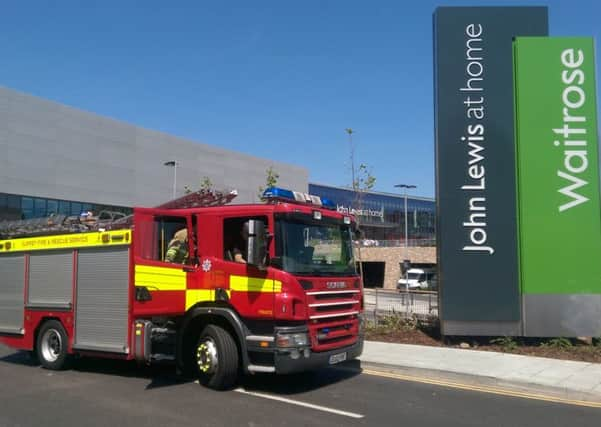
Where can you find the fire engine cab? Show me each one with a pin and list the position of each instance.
(219, 289)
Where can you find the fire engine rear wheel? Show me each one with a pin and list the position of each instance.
(216, 358)
(51, 346)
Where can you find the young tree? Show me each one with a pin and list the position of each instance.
(205, 185)
(271, 180)
(362, 182)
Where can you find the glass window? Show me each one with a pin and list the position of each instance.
(314, 248)
(39, 208)
(14, 202)
(75, 208)
(164, 239)
(64, 207)
(3, 200)
(52, 207)
(27, 207)
(235, 238)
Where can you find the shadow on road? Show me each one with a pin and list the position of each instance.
(20, 358)
(164, 375)
(160, 375)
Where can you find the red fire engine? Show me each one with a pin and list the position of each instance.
(294, 303)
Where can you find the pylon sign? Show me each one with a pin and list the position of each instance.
(475, 166)
(558, 186)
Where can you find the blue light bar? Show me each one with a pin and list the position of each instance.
(328, 204)
(276, 193)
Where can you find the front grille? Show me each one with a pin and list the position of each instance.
(333, 318)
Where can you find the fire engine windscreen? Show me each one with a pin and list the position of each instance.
(314, 248)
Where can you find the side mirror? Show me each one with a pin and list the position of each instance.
(257, 244)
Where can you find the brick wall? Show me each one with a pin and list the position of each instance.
(392, 257)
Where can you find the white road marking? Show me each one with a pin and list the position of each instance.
(298, 403)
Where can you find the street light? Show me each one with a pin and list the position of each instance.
(406, 261)
(352, 148)
(174, 164)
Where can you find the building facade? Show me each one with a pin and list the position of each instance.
(382, 220)
(382, 215)
(57, 159)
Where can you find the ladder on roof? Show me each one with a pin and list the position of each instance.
(106, 220)
(200, 199)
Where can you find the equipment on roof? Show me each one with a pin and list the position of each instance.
(105, 220)
(200, 199)
(288, 196)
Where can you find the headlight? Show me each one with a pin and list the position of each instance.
(292, 340)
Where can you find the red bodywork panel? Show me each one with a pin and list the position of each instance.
(332, 318)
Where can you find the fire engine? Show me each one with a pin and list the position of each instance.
(294, 303)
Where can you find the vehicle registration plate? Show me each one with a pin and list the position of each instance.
(337, 358)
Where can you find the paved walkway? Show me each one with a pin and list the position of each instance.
(564, 378)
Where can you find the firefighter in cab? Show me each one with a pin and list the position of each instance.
(177, 251)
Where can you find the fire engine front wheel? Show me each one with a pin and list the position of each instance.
(51, 346)
(216, 358)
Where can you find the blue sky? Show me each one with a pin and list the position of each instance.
(277, 79)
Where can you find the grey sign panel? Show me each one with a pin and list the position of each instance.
(12, 284)
(102, 300)
(562, 315)
(475, 160)
(51, 279)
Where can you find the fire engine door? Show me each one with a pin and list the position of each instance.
(162, 257)
(250, 289)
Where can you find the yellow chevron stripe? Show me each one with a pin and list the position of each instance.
(194, 296)
(253, 284)
(160, 278)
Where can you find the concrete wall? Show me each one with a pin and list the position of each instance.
(393, 257)
(51, 150)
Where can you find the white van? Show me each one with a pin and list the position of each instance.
(416, 278)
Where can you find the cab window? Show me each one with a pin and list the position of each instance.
(166, 240)
(235, 237)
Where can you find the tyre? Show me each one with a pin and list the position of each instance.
(51, 346)
(216, 358)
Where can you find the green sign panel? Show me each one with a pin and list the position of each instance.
(557, 166)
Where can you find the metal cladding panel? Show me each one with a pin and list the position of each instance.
(509, 329)
(12, 283)
(102, 299)
(51, 278)
(562, 315)
(51, 150)
(475, 159)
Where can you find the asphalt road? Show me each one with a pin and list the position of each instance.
(115, 393)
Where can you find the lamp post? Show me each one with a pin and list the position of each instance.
(174, 164)
(352, 148)
(406, 261)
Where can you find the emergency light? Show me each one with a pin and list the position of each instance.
(283, 195)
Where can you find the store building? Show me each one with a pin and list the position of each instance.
(382, 220)
(58, 159)
(382, 215)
